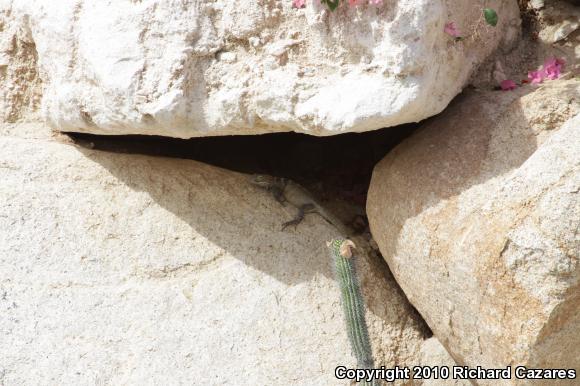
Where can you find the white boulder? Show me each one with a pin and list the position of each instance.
(190, 68)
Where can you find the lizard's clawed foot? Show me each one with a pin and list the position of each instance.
(294, 223)
(302, 211)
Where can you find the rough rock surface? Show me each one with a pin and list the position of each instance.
(487, 249)
(186, 68)
(433, 354)
(125, 269)
(20, 85)
(551, 31)
(562, 20)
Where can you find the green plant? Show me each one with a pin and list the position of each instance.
(490, 16)
(331, 4)
(341, 252)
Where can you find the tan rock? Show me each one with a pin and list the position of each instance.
(478, 214)
(20, 85)
(126, 269)
(434, 356)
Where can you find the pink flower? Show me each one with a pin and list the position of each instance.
(354, 3)
(508, 84)
(376, 2)
(536, 77)
(553, 67)
(298, 3)
(451, 29)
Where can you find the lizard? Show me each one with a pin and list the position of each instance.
(285, 190)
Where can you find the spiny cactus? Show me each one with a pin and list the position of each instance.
(352, 303)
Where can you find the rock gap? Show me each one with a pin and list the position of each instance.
(332, 168)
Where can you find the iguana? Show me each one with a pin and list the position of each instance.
(285, 190)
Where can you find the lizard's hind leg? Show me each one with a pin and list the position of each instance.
(302, 211)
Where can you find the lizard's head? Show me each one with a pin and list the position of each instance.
(263, 180)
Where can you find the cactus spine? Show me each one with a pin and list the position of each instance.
(352, 303)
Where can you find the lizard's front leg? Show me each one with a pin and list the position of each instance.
(302, 211)
(279, 196)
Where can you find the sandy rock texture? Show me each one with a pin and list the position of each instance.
(131, 270)
(20, 84)
(433, 354)
(562, 20)
(487, 248)
(197, 68)
(550, 31)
